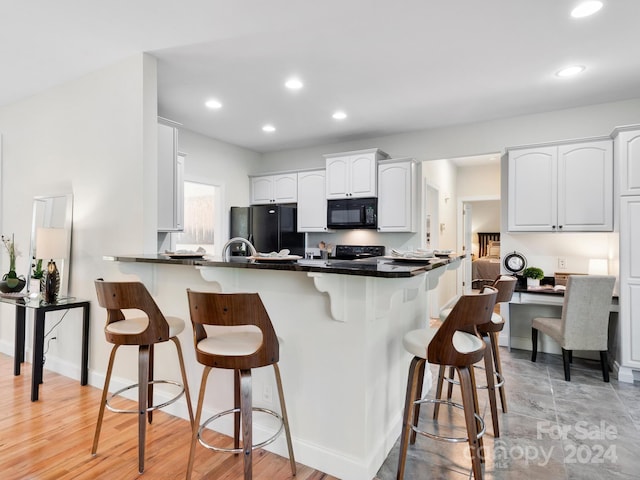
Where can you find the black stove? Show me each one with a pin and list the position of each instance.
(354, 252)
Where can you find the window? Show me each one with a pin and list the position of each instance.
(200, 206)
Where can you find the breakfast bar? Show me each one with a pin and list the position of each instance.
(340, 326)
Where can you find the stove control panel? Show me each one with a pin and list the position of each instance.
(359, 251)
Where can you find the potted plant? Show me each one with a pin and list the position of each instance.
(533, 276)
(37, 275)
(11, 282)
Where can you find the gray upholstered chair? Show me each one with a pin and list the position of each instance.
(584, 324)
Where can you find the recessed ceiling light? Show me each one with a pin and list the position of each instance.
(570, 71)
(294, 84)
(268, 128)
(586, 8)
(339, 115)
(213, 104)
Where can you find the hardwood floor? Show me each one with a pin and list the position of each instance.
(51, 439)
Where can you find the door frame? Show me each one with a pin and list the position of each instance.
(463, 278)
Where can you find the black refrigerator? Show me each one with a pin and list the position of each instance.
(270, 228)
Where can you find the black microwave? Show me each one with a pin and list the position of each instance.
(352, 213)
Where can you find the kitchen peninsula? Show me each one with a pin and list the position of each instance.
(343, 364)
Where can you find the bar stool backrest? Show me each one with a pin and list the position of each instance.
(468, 312)
(118, 296)
(230, 310)
(505, 284)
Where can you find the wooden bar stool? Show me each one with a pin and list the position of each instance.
(456, 343)
(505, 284)
(144, 332)
(239, 350)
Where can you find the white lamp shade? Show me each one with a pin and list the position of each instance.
(598, 266)
(51, 243)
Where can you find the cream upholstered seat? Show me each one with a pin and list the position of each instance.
(133, 326)
(584, 324)
(233, 331)
(143, 332)
(458, 344)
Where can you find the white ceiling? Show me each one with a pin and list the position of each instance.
(393, 66)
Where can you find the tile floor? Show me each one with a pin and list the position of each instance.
(584, 429)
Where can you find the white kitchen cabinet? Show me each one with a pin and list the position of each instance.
(626, 148)
(627, 155)
(565, 187)
(170, 180)
(312, 201)
(281, 188)
(353, 174)
(397, 196)
(629, 285)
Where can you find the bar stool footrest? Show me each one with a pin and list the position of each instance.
(240, 450)
(441, 437)
(498, 376)
(151, 408)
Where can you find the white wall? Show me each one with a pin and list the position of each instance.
(96, 138)
(224, 165)
(85, 137)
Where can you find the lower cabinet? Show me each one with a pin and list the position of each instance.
(312, 201)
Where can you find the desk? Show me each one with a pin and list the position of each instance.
(528, 304)
(40, 308)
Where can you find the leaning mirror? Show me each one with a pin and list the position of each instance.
(51, 238)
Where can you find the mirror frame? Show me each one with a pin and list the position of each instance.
(39, 220)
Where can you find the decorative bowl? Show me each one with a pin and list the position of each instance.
(4, 288)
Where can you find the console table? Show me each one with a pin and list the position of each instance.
(40, 308)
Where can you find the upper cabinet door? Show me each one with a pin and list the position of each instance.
(627, 152)
(585, 187)
(312, 201)
(285, 188)
(396, 196)
(282, 188)
(533, 189)
(170, 180)
(261, 190)
(353, 174)
(338, 177)
(363, 175)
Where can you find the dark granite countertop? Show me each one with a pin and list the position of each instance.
(370, 267)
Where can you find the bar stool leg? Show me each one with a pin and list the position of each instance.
(476, 407)
(418, 395)
(143, 383)
(237, 415)
(246, 413)
(150, 384)
(469, 400)
(196, 422)
(452, 372)
(285, 418)
(412, 388)
(183, 372)
(436, 406)
(493, 403)
(103, 402)
(495, 348)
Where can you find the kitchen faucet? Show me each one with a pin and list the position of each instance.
(225, 250)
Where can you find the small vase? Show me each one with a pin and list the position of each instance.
(533, 282)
